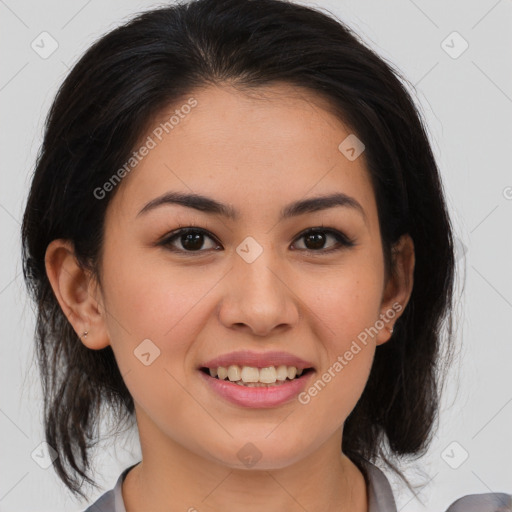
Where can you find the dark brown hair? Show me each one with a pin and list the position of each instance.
(101, 111)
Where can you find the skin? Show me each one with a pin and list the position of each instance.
(257, 153)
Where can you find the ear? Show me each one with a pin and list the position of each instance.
(77, 293)
(398, 289)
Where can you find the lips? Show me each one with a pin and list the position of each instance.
(257, 360)
(264, 395)
(269, 396)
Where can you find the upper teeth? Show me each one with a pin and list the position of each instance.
(266, 375)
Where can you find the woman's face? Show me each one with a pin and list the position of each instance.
(248, 282)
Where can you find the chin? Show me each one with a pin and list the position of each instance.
(258, 454)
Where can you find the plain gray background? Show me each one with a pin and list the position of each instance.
(466, 97)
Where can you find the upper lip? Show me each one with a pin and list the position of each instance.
(257, 360)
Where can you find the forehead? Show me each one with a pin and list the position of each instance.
(252, 148)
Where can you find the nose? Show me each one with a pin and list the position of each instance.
(258, 297)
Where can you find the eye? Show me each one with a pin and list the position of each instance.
(192, 240)
(315, 239)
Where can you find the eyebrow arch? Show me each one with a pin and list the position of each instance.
(211, 206)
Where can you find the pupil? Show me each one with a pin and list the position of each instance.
(318, 240)
(192, 241)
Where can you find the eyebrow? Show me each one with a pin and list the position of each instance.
(213, 207)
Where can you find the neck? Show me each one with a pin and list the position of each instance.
(172, 478)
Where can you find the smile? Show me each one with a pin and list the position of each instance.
(253, 387)
(252, 376)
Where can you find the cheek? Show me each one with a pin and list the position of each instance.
(166, 305)
(339, 383)
(152, 318)
(347, 303)
(347, 308)
(151, 299)
(335, 389)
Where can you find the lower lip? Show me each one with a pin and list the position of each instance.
(257, 397)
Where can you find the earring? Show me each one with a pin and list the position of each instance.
(84, 334)
(391, 330)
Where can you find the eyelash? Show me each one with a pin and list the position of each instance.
(343, 240)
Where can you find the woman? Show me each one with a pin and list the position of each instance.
(236, 234)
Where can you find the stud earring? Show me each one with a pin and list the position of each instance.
(84, 334)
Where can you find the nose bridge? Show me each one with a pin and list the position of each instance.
(256, 267)
(257, 295)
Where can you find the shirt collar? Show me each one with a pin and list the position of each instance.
(380, 495)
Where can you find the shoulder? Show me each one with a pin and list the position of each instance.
(490, 502)
(380, 496)
(106, 503)
(111, 501)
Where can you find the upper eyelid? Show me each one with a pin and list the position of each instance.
(184, 229)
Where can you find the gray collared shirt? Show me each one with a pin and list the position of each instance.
(380, 497)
